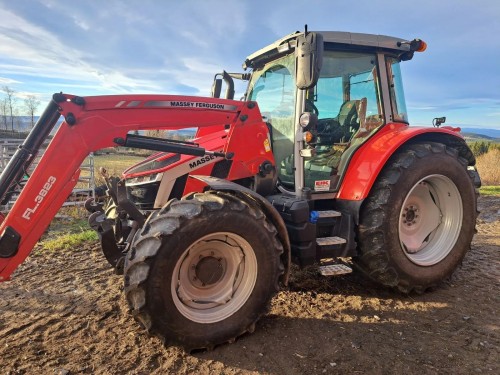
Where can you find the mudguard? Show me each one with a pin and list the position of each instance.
(367, 162)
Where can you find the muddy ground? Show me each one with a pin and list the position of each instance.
(63, 313)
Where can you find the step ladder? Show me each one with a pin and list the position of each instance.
(335, 269)
(331, 268)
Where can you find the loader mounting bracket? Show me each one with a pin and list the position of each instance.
(9, 243)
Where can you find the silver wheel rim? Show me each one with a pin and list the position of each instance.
(430, 220)
(214, 277)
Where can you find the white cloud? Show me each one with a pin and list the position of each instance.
(36, 52)
(8, 81)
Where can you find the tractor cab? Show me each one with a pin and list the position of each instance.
(353, 88)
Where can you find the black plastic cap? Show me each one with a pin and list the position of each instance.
(78, 100)
(59, 97)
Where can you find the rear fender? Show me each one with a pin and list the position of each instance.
(371, 157)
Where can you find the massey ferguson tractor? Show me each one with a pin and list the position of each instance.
(316, 165)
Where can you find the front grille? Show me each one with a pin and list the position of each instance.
(144, 195)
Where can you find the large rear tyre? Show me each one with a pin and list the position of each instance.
(418, 221)
(203, 270)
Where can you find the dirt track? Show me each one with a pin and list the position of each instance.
(64, 313)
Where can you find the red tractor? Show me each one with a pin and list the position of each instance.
(316, 164)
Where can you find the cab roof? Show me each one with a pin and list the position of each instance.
(335, 37)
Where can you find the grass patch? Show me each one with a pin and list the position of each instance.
(487, 166)
(69, 240)
(490, 190)
(69, 230)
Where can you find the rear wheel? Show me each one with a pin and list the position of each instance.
(418, 221)
(203, 270)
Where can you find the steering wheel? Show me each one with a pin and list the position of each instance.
(310, 106)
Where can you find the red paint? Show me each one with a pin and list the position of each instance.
(99, 122)
(371, 157)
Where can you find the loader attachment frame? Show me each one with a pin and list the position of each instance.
(93, 123)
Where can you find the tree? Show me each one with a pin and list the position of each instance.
(31, 103)
(10, 100)
(3, 112)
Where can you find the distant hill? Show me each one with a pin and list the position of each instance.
(484, 133)
(473, 137)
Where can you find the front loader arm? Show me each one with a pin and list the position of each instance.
(93, 123)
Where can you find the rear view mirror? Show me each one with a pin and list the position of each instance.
(217, 85)
(216, 88)
(308, 59)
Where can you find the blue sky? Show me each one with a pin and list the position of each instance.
(175, 47)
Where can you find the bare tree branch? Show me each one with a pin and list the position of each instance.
(3, 112)
(31, 103)
(10, 103)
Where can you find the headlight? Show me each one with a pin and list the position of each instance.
(304, 119)
(308, 120)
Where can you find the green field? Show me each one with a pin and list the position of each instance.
(114, 164)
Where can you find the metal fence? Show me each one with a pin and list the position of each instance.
(86, 183)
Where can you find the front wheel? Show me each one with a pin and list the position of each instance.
(418, 221)
(203, 270)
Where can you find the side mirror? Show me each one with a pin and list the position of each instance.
(308, 60)
(216, 87)
(229, 85)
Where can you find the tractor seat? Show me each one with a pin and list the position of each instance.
(348, 114)
(340, 128)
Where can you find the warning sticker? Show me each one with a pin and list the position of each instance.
(267, 146)
(322, 185)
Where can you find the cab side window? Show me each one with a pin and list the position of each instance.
(398, 103)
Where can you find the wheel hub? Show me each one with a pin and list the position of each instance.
(208, 271)
(411, 215)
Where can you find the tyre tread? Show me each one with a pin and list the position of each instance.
(153, 236)
(374, 262)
